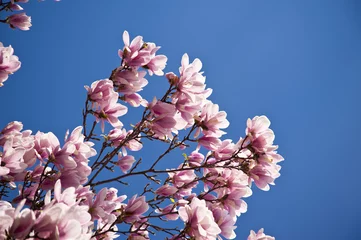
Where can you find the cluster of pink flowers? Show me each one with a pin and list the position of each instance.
(9, 63)
(128, 78)
(17, 20)
(105, 102)
(58, 196)
(264, 168)
(42, 152)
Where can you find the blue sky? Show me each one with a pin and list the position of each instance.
(298, 62)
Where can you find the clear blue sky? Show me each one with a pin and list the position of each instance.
(298, 62)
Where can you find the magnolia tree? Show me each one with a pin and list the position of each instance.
(52, 190)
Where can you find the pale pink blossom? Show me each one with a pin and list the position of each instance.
(195, 159)
(211, 120)
(225, 150)
(7, 217)
(225, 222)
(23, 222)
(183, 180)
(166, 190)
(11, 160)
(156, 64)
(170, 212)
(117, 136)
(233, 202)
(62, 218)
(199, 219)
(101, 91)
(19, 20)
(210, 142)
(191, 82)
(129, 81)
(259, 236)
(136, 206)
(15, 7)
(110, 112)
(9, 63)
(261, 136)
(125, 163)
(141, 54)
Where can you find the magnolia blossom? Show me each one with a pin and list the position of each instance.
(19, 20)
(9, 63)
(15, 7)
(225, 222)
(184, 180)
(12, 160)
(166, 190)
(199, 220)
(125, 163)
(110, 112)
(264, 169)
(136, 206)
(141, 54)
(259, 236)
(211, 120)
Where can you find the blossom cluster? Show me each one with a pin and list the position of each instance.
(9, 63)
(58, 184)
(17, 20)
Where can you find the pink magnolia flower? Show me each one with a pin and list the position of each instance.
(187, 108)
(210, 142)
(58, 220)
(83, 151)
(110, 112)
(183, 180)
(7, 217)
(15, 7)
(129, 81)
(191, 82)
(125, 163)
(47, 147)
(11, 160)
(225, 150)
(136, 206)
(134, 100)
(117, 136)
(157, 63)
(169, 211)
(264, 174)
(259, 235)
(23, 222)
(9, 63)
(211, 120)
(199, 219)
(233, 203)
(14, 126)
(163, 119)
(166, 190)
(132, 53)
(261, 136)
(225, 222)
(101, 91)
(19, 20)
(195, 159)
(141, 54)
